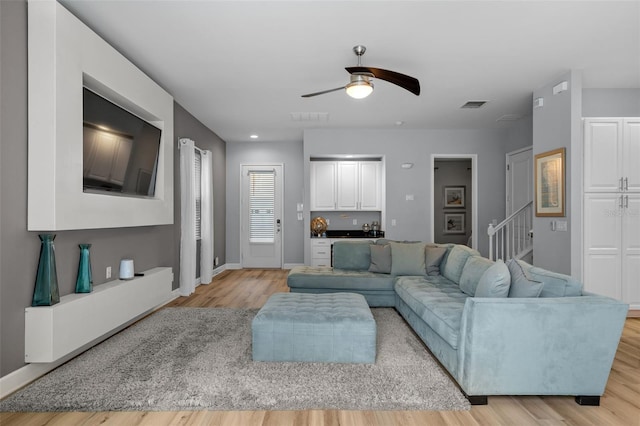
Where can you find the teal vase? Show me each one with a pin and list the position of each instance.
(46, 290)
(84, 282)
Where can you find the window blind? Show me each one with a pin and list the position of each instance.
(262, 206)
(198, 191)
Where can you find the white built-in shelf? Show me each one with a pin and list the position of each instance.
(51, 332)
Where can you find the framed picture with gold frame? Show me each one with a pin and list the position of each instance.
(549, 170)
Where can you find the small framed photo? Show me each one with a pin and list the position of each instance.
(549, 183)
(454, 223)
(453, 196)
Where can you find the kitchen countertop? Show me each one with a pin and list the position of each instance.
(351, 233)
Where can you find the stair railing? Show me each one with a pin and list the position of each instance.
(513, 237)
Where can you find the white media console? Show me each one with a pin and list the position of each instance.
(51, 332)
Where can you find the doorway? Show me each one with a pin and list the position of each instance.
(519, 179)
(261, 216)
(454, 202)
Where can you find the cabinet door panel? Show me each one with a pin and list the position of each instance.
(347, 185)
(370, 185)
(631, 249)
(631, 155)
(602, 168)
(602, 260)
(323, 185)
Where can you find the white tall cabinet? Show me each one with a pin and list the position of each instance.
(612, 208)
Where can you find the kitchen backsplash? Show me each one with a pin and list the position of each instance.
(344, 220)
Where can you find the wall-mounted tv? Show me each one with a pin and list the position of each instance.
(120, 150)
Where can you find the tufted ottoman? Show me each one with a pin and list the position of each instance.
(330, 327)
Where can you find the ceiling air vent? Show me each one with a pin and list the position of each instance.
(474, 104)
(310, 116)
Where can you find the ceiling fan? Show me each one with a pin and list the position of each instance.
(361, 86)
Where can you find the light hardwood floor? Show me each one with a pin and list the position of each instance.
(620, 404)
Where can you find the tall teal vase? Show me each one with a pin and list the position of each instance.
(84, 282)
(46, 289)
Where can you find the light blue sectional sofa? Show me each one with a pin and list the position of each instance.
(498, 329)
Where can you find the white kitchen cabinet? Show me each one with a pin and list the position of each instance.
(370, 185)
(354, 185)
(323, 185)
(321, 252)
(348, 185)
(612, 246)
(611, 154)
(611, 261)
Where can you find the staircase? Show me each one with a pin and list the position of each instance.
(513, 237)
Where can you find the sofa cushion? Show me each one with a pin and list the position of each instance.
(522, 285)
(407, 258)
(324, 278)
(434, 256)
(437, 301)
(453, 263)
(380, 259)
(473, 269)
(555, 284)
(352, 255)
(495, 281)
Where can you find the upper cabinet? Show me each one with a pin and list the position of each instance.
(346, 185)
(611, 152)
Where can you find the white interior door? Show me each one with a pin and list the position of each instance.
(519, 191)
(519, 179)
(261, 216)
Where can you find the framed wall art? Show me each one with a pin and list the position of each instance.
(550, 183)
(453, 196)
(454, 223)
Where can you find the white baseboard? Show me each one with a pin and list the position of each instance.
(233, 266)
(30, 372)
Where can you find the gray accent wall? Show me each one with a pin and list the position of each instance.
(557, 124)
(611, 102)
(187, 126)
(289, 154)
(149, 246)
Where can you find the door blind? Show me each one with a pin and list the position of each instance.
(262, 190)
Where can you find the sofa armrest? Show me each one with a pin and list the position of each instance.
(538, 346)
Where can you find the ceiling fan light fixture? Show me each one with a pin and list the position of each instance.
(360, 87)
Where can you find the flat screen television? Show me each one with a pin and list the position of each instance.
(120, 150)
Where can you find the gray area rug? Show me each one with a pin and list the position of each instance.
(200, 359)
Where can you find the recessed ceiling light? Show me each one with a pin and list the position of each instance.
(254, 136)
(399, 123)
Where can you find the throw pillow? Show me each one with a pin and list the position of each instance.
(407, 258)
(472, 272)
(521, 284)
(380, 259)
(433, 259)
(495, 281)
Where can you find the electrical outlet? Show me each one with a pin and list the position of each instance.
(393, 222)
(108, 272)
(216, 261)
(355, 221)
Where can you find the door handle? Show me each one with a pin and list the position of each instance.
(626, 201)
(277, 225)
(620, 185)
(626, 184)
(621, 204)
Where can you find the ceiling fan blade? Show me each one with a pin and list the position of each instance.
(406, 82)
(308, 95)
